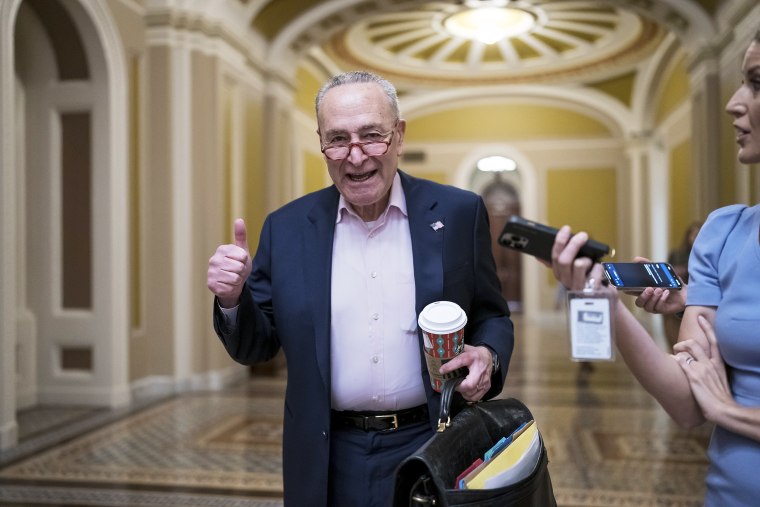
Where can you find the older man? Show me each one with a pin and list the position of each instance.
(338, 280)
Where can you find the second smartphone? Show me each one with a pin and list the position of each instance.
(637, 276)
(536, 239)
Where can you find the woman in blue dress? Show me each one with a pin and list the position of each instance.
(714, 373)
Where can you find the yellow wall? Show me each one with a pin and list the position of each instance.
(314, 172)
(255, 172)
(674, 93)
(500, 122)
(619, 87)
(728, 148)
(437, 176)
(681, 196)
(307, 86)
(754, 181)
(271, 19)
(585, 199)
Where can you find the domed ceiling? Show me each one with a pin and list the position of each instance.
(560, 41)
(425, 43)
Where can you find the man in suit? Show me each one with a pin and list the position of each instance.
(338, 280)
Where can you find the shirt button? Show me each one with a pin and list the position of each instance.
(375, 359)
(373, 274)
(375, 316)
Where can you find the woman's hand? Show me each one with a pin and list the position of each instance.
(706, 372)
(572, 271)
(660, 301)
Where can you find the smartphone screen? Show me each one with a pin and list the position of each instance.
(640, 275)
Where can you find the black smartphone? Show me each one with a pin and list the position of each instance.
(537, 239)
(637, 276)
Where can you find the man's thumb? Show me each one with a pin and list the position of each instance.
(241, 238)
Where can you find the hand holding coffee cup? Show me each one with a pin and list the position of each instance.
(442, 324)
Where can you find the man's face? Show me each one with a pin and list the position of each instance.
(356, 113)
(744, 106)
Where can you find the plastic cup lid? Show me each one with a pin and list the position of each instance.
(442, 317)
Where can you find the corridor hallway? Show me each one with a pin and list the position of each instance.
(609, 443)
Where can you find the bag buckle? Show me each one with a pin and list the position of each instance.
(443, 425)
(394, 421)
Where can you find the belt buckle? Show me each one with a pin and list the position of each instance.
(394, 418)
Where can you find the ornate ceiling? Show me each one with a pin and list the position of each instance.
(569, 40)
(407, 40)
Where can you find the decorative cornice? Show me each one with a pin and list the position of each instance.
(193, 23)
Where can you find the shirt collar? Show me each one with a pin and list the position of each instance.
(397, 200)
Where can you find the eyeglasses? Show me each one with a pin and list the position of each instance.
(374, 147)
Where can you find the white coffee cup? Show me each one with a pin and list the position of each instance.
(442, 324)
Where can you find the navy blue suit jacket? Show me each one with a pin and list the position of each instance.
(286, 304)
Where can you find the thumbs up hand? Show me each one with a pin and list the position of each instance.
(229, 267)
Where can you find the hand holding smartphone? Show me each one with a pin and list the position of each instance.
(537, 239)
(637, 276)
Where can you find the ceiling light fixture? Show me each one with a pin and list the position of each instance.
(489, 21)
(496, 164)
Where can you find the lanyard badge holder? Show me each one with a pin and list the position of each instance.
(590, 318)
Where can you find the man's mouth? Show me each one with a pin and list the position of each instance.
(358, 178)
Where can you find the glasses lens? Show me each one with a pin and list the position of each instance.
(375, 149)
(336, 152)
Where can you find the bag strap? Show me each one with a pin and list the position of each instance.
(447, 394)
(423, 492)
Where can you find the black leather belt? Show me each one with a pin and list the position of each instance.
(379, 421)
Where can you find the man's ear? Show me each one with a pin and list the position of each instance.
(401, 131)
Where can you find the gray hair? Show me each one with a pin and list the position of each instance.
(360, 76)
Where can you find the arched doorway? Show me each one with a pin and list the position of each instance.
(502, 201)
(71, 291)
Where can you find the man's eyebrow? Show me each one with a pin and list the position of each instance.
(334, 131)
(364, 128)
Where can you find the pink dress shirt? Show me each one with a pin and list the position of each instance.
(375, 355)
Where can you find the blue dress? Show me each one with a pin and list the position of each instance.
(724, 270)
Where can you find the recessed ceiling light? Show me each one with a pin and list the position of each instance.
(489, 23)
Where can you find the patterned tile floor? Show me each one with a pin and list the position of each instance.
(609, 443)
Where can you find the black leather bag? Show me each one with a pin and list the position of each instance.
(427, 477)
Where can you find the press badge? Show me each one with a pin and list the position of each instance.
(591, 327)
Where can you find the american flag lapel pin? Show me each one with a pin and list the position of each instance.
(436, 225)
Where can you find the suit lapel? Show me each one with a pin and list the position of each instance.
(318, 245)
(427, 241)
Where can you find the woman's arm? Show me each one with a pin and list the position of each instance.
(706, 372)
(656, 370)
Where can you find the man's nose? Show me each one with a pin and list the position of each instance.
(356, 155)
